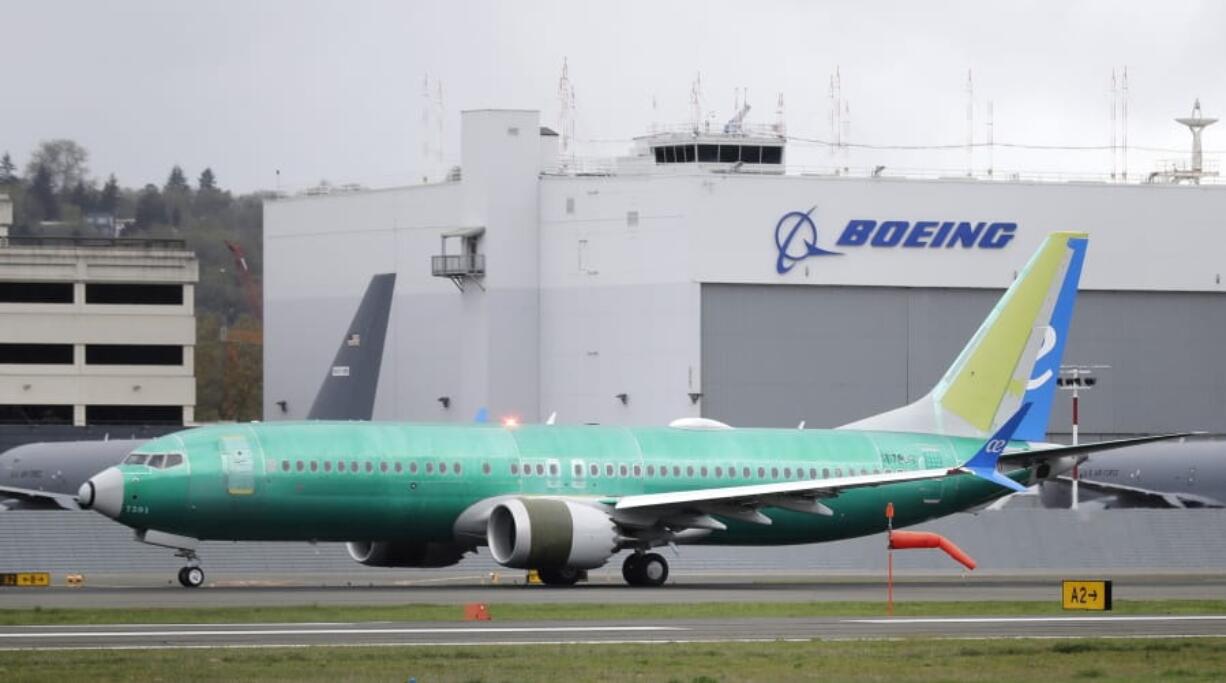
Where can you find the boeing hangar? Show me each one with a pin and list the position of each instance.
(696, 277)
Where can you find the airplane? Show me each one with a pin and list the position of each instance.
(47, 475)
(1167, 476)
(565, 499)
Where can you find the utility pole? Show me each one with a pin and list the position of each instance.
(1074, 378)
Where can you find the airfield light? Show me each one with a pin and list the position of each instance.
(1074, 378)
(510, 421)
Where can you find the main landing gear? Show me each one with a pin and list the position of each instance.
(562, 576)
(191, 576)
(645, 569)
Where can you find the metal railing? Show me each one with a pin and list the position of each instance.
(97, 242)
(457, 265)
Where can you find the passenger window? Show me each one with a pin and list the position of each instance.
(825, 473)
(383, 467)
(300, 466)
(400, 468)
(485, 468)
(594, 470)
(676, 470)
(608, 470)
(787, 473)
(732, 473)
(314, 466)
(553, 469)
(651, 470)
(413, 468)
(514, 468)
(174, 460)
(353, 466)
(456, 467)
(429, 468)
(135, 459)
(540, 470)
(638, 471)
(369, 467)
(155, 461)
(719, 472)
(689, 471)
(284, 465)
(578, 470)
(746, 472)
(761, 472)
(442, 468)
(774, 473)
(813, 473)
(327, 465)
(703, 471)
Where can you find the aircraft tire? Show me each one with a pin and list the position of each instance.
(191, 577)
(562, 576)
(632, 569)
(653, 570)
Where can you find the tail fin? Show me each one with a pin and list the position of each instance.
(1012, 359)
(348, 390)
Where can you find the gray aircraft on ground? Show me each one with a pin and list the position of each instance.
(1191, 474)
(46, 475)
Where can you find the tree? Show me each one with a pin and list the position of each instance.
(150, 208)
(65, 162)
(42, 193)
(208, 181)
(108, 201)
(177, 182)
(8, 170)
(83, 196)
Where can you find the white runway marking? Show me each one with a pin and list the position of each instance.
(339, 631)
(1017, 620)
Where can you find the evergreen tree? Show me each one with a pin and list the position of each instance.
(177, 182)
(108, 201)
(82, 196)
(150, 208)
(207, 183)
(42, 194)
(8, 170)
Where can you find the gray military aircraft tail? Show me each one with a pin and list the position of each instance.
(46, 475)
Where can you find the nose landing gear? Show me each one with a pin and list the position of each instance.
(191, 576)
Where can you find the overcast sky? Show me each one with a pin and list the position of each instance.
(332, 90)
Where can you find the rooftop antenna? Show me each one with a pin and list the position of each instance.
(1124, 127)
(780, 123)
(970, 124)
(836, 113)
(696, 103)
(1115, 105)
(655, 115)
(736, 124)
(991, 138)
(431, 128)
(566, 111)
(1197, 123)
(845, 136)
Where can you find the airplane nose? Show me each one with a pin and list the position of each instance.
(103, 492)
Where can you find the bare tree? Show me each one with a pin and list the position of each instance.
(64, 159)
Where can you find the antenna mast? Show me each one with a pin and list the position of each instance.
(970, 124)
(566, 112)
(1124, 130)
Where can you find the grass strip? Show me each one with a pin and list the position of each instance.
(574, 611)
(854, 661)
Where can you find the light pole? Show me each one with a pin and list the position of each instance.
(1074, 378)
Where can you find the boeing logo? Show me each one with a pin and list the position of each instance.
(796, 236)
(793, 227)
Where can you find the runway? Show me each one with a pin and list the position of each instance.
(494, 633)
(251, 590)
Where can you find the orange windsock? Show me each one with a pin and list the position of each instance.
(905, 540)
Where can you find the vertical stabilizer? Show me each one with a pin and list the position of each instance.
(348, 390)
(1013, 357)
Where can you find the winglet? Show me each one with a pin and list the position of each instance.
(983, 463)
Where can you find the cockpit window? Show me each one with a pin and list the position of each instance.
(173, 460)
(135, 459)
(156, 461)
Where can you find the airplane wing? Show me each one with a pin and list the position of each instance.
(38, 499)
(693, 508)
(1038, 455)
(1137, 497)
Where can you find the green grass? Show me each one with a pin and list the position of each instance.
(577, 611)
(853, 661)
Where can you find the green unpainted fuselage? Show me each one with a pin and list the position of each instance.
(349, 481)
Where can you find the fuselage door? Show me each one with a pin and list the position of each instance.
(238, 465)
(931, 490)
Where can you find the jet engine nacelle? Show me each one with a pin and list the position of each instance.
(405, 553)
(542, 533)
